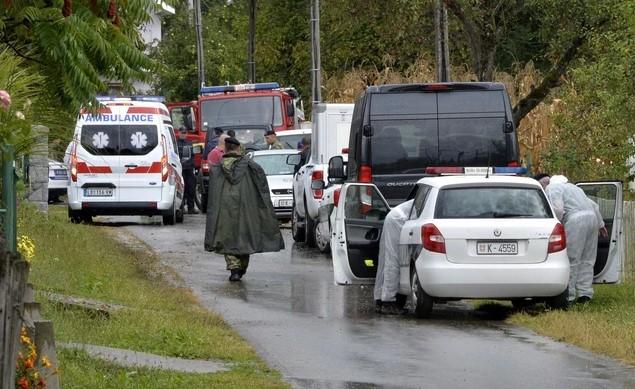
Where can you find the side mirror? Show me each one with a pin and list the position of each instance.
(294, 159)
(336, 169)
(290, 109)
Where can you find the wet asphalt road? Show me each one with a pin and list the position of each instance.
(320, 335)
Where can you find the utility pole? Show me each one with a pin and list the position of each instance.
(251, 64)
(442, 50)
(316, 87)
(199, 43)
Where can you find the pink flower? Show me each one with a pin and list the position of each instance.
(5, 99)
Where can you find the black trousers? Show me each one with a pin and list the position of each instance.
(190, 187)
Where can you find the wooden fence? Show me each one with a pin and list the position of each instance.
(13, 277)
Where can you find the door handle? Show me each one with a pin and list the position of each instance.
(131, 165)
(410, 233)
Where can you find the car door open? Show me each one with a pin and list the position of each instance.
(608, 267)
(359, 218)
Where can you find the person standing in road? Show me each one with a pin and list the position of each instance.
(240, 219)
(582, 220)
(185, 149)
(305, 154)
(214, 157)
(213, 141)
(272, 141)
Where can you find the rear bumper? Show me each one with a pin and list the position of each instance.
(121, 208)
(440, 278)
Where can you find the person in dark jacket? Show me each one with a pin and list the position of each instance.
(240, 219)
(187, 163)
(213, 141)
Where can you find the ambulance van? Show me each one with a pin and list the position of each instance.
(124, 161)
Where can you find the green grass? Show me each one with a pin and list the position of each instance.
(86, 261)
(606, 325)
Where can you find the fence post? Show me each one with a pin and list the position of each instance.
(9, 197)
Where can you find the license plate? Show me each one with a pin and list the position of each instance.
(497, 248)
(479, 171)
(98, 192)
(60, 172)
(285, 203)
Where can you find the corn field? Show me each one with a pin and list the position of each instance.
(629, 240)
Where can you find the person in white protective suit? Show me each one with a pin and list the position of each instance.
(582, 220)
(391, 257)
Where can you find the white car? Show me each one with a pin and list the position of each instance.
(58, 180)
(290, 139)
(279, 178)
(124, 161)
(471, 237)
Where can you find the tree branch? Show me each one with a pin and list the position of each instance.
(19, 54)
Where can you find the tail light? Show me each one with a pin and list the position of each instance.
(345, 150)
(432, 238)
(557, 240)
(164, 161)
(336, 196)
(205, 167)
(74, 162)
(318, 189)
(365, 174)
(513, 164)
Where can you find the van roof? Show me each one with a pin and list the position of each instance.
(435, 87)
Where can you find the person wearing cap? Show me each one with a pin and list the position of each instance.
(272, 141)
(214, 157)
(241, 220)
(582, 220)
(185, 149)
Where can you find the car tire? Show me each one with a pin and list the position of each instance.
(169, 218)
(323, 238)
(296, 231)
(309, 227)
(421, 301)
(180, 215)
(560, 301)
(78, 217)
(200, 197)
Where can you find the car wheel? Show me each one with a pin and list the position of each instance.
(323, 237)
(421, 301)
(296, 231)
(169, 218)
(198, 196)
(560, 301)
(180, 215)
(75, 217)
(309, 227)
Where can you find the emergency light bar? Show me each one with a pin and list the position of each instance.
(239, 87)
(156, 99)
(475, 171)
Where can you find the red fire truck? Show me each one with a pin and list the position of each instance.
(229, 105)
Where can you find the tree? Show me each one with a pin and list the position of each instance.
(76, 46)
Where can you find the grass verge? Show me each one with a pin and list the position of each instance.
(86, 261)
(606, 325)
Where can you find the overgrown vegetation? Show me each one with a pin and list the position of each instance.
(85, 261)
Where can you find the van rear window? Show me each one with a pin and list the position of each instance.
(119, 139)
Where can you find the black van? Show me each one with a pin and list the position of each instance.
(399, 131)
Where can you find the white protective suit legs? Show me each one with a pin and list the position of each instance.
(581, 229)
(392, 255)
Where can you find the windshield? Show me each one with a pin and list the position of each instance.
(291, 141)
(240, 111)
(251, 138)
(492, 202)
(274, 164)
(125, 139)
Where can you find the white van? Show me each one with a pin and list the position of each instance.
(330, 133)
(124, 161)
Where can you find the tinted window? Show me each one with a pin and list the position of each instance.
(251, 138)
(291, 141)
(403, 146)
(119, 139)
(491, 202)
(275, 164)
(237, 111)
(472, 142)
(137, 139)
(363, 202)
(475, 101)
(410, 103)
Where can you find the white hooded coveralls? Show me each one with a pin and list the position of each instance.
(392, 255)
(582, 220)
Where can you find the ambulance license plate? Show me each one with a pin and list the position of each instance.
(497, 248)
(285, 203)
(98, 192)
